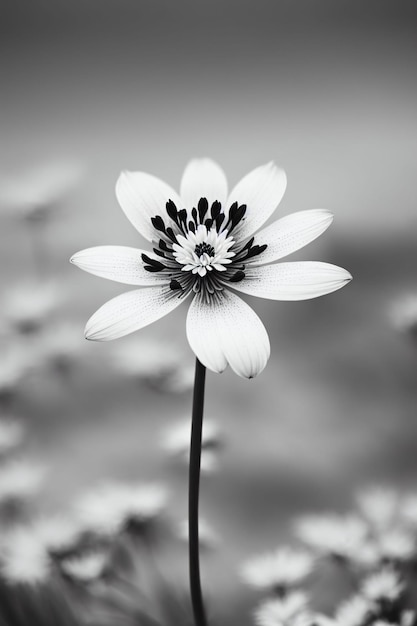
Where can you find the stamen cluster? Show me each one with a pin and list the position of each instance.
(201, 251)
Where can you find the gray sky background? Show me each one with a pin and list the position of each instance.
(326, 89)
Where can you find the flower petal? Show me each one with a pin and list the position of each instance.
(301, 280)
(130, 311)
(290, 233)
(262, 191)
(227, 331)
(119, 263)
(143, 196)
(203, 178)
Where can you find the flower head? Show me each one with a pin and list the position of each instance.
(339, 535)
(33, 194)
(11, 434)
(291, 610)
(378, 506)
(23, 557)
(20, 479)
(206, 246)
(28, 306)
(86, 567)
(354, 612)
(383, 585)
(280, 569)
(107, 510)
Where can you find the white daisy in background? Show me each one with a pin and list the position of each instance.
(408, 510)
(59, 345)
(15, 363)
(108, 509)
(408, 618)
(206, 245)
(58, 534)
(86, 567)
(339, 535)
(379, 506)
(35, 193)
(20, 479)
(23, 558)
(354, 612)
(291, 610)
(403, 313)
(26, 307)
(145, 358)
(11, 434)
(281, 569)
(383, 585)
(396, 544)
(180, 380)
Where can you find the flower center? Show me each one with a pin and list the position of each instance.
(203, 251)
(200, 250)
(204, 248)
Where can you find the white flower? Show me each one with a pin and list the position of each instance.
(403, 313)
(26, 307)
(15, 363)
(107, 510)
(20, 479)
(35, 193)
(145, 358)
(340, 535)
(396, 544)
(354, 612)
(383, 585)
(86, 567)
(283, 568)
(290, 610)
(408, 511)
(205, 244)
(57, 533)
(378, 505)
(23, 558)
(180, 380)
(60, 344)
(11, 434)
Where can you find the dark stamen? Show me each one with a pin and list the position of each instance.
(171, 234)
(159, 253)
(204, 248)
(236, 278)
(219, 221)
(175, 285)
(182, 216)
(208, 223)
(202, 209)
(164, 246)
(194, 216)
(158, 223)
(172, 211)
(216, 207)
(152, 264)
(191, 226)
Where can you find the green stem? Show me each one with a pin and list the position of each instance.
(193, 493)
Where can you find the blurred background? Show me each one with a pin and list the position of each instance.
(325, 89)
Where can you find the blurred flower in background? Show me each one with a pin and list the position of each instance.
(34, 194)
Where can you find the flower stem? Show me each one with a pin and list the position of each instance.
(193, 492)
